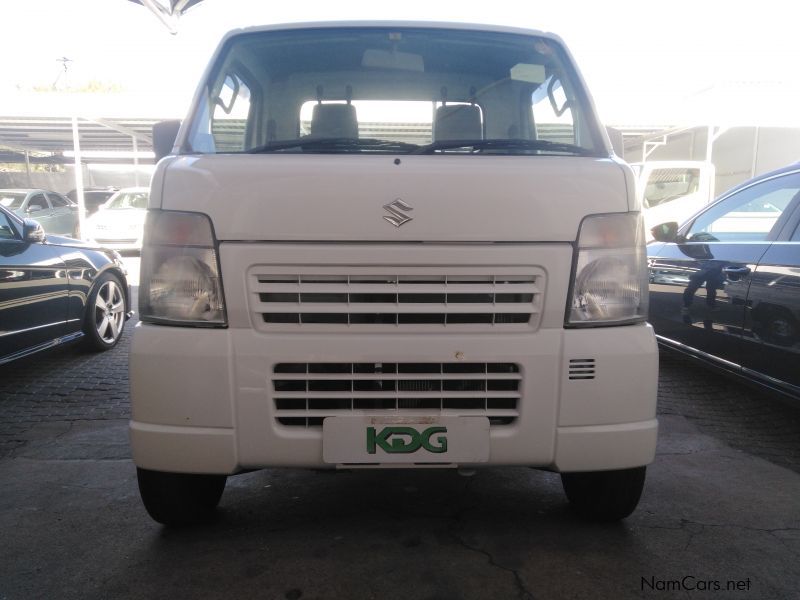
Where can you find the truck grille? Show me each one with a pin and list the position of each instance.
(306, 393)
(408, 299)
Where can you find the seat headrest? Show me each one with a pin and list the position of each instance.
(458, 122)
(334, 121)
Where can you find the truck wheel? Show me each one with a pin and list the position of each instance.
(179, 498)
(604, 495)
(105, 313)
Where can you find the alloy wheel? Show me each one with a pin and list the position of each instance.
(109, 311)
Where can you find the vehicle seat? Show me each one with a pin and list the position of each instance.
(458, 122)
(334, 121)
(37, 202)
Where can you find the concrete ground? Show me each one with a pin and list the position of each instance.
(719, 518)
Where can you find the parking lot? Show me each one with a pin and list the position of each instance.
(719, 517)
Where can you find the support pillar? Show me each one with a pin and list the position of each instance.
(76, 146)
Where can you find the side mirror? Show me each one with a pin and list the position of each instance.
(164, 135)
(32, 232)
(665, 232)
(33, 208)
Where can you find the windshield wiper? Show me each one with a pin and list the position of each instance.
(335, 145)
(506, 144)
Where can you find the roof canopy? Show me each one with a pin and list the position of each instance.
(55, 134)
(168, 11)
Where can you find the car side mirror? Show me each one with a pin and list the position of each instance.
(665, 232)
(32, 232)
(164, 135)
(33, 208)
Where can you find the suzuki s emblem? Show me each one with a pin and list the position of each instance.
(397, 212)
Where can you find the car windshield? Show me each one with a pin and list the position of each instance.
(97, 197)
(393, 90)
(128, 200)
(12, 200)
(664, 185)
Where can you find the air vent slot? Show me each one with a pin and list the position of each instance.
(581, 368)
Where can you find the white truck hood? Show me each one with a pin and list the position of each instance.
(272, 197)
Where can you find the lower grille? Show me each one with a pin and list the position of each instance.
(306, 393)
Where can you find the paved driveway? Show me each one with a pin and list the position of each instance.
(721, 509)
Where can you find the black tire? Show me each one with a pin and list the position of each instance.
(604, 495)
(176, 499)
(106, 308)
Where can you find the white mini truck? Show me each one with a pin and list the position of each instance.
(391, 245)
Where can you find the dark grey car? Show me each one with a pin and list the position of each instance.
(93, 197)
(725, 286)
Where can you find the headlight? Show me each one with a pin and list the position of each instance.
(180, 282)
(609, 280)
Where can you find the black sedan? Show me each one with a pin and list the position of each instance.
(55, 290)
(725, 285)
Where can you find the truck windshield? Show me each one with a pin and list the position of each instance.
(393, 90)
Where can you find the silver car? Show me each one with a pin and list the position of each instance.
(55, 213)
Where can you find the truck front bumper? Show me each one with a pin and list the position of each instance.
(203, 399)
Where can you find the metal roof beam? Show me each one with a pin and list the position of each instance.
(123, 130)
(180, 5)
(166, 16)
(15, 145)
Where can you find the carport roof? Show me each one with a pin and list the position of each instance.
(41, 123)
(54, 134)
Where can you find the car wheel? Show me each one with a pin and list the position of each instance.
(176, 499)
(604, 495)
(105, 313)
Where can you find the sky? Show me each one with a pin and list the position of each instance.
(640, 59)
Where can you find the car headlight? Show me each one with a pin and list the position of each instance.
(609, 279)
(180, 277)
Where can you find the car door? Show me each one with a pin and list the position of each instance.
(34, 291)
(700, 283)
(64, 215)
(38, 208)
(772, 316)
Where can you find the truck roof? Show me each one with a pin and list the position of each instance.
(398, 24)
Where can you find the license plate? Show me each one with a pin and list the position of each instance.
(405, 440)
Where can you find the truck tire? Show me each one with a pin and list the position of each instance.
(604, 495)
(175, 499)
